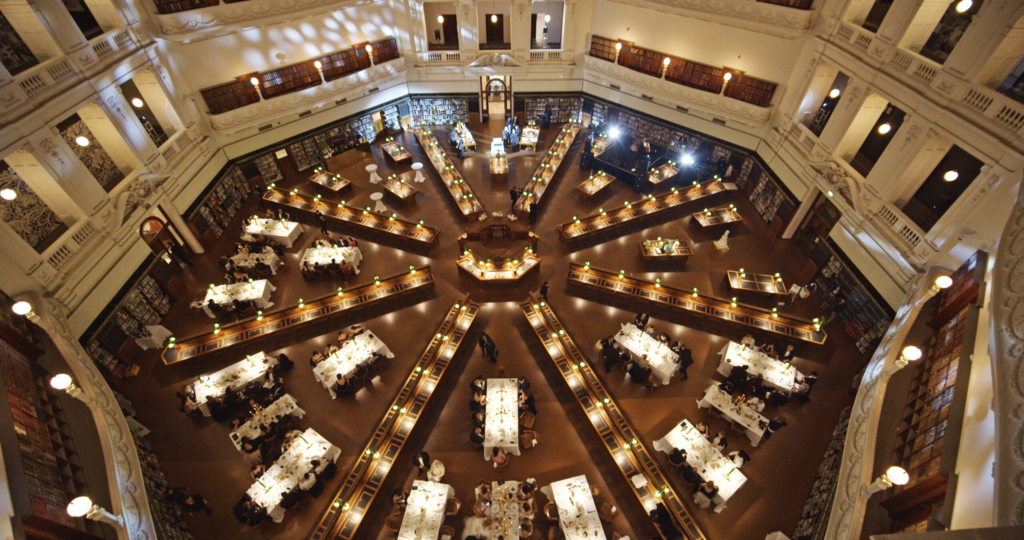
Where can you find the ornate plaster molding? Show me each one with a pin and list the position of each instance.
(716, 103)
(269, 108)
(191, 24)
(495, 60)
(848, 187)
(847, 515)
(1007, 306)
(124, 472)
(747, 14)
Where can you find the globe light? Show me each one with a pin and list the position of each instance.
(884, 128)
(494, 18)
(21, 308)
(943, 282)
(8, 194)
(666, 61)
(254, 81)
(82, 140)
(79, 506)
(60, 381)
(547, 18)
(317, 64)
(834, 93)
(912, 353)
(369, 48)
(727, 77)
(950, 176)
(618, 47)
(897, 475)
(137, 103)
(440, 18)
(964, 5)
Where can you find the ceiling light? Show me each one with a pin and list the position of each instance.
(8, 194)
(137, 103)
(950, 176)
(943, 282)
(964, 5)
(727, 76)
(21, 308)
(317, 64)
(494, 18)
(897, 475)
(834, 93)
(82, 140)
(254, 81)
(884, 128)
(613, 131)
(60, 381)
(912, 353)
(440, 18)
(547, 18)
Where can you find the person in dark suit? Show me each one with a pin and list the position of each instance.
(533, 213)
(323, 223)
(513, 194)
(422, 462)
(477, 437)
(809, 381)
(611, 356)
(524, 384)
(685, 359)
(738, 375)
(479, 385)
(178, 254)
(641, 320)
(690, 475)
(543, 292)
(774, 425)
(285, 362)
(483, 341)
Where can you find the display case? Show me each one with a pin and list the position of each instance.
(384, 50)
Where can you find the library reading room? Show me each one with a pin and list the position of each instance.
(512, 270)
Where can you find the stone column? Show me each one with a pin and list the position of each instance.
(519, 26)
(801, 212)
(61, 163)
(57, 20)
(886, 178)
(128, 125)
(172, 213)
(469, 31)
(897, 20)
(987, 30)
(847, 107)
(124, 472)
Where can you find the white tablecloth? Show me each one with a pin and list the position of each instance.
(286, 404)
(322, 255)
(776, 374)
(155, 340)
(502, 417)
(282, 232)
(706, 459)
(577, 513)
(504, 511)
(660, 357)
(236, 375)
(425, 511)
(287, 471)
(249, 260)
(751, 420)
(348, 357)
(258, 292)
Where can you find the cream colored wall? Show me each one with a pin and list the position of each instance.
(29, 169)
(761, 56)
(498, 8)
(109, 138)
(865, 119)
(923, 24)
(1004, 59)
(153, 95)
(858, 11)
(106, 14)
(922, 165)
(820, 86)
(32, 32)
(555, 9)
(430, 12)
(219, 60)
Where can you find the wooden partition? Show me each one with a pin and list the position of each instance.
(290, 318)
(545, 173)
(352, 501)
(699, 304)
(619, 437)
(460, 191)
(416, 233)
(653, 205)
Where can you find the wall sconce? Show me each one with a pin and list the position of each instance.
(84, 507)
(727, 76)
(256, 84)
(494, 19)
(63, 381)
(834, 93)
(963, 5)
(82, 141)
(894, 476)
(950, 176)
(137, 103)
(440, 19)
(8, 194)
(21, 308)
(908, 355)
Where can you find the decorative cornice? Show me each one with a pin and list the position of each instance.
(1007, 305)
(716, 103)
(750, 15)
(267, 109)
(236, 16)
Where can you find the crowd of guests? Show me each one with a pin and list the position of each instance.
(310, 485)
(614, 354)
(478, 416)
(238, 403)
(343, 386)
(334, 269)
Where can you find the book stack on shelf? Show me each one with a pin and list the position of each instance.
(643, 60)
(741, 179)
(599, 114)
(175, 6)
(103, 358)
(563, 109)
(770, 200)
(751, 90)
(602, 48)
(384, 50)
(339, 64)
(694, 75)
(287, 79)
(865, 319)
(820, 501)
(305, 153)
(363, 128)
(44, 459)
(267, 164)
(166, 516)
(225, 97)
(441, 111)
(392, 120)
(16, 324)
(965, 289)
(223, 201)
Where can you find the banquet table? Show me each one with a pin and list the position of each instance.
(323, 255)
(348, 357)
(706, 458)
(287, 471)
(424, 513)
(504, 510)
(285, 404)
(577, 513)
(740, 414)
(282, 232)
(776, 374)
(501, 429)
(258, 292)
(236, 375)
(660, 357)
(249, 260)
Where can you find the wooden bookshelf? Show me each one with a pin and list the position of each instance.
(384, 50)
(643, 60)
(497, 269)
(339, 64)
(545, 173)
(226, 97)
(695, 75)
(966, 289)
(602, 48)
(165, 7)
(751, 90)
(287, 79)
(699, 305)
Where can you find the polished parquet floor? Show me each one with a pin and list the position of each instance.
(199, 455)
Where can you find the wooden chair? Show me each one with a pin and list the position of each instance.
(551, 512)
(394, 521)
(525, 528)
(595, 491)
(527, 419)
(527, 438)
(508, 459)
(652, 382)
(555, 533)
(713, 412)
(447, 532)
(737, 429)
(607, 512)
(452, 506)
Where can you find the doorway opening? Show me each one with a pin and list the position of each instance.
(495, 98)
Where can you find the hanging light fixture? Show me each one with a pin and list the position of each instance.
(950, 176)
(547, 18)
(964, 5)
(21, 308)
(440, 18)
(369, 48)
(81, 140)
(137, 103)
(834, 93)
(8, 194)
(494, 18)
(884, 128)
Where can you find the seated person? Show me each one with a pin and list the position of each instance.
(738, 374)
(307, 481)
(352, 242)
(703, 428)
(526, 491)
(476, 403)
(524, 384)
(291, 498)
(356, 329)
(316, 358)
(739, 458)
(399, 498)
(663, 338)
(479, 385)
(228, 279)
(768, 349)
(257, 516)
(526, 403)
(215, 308)
(257, 471)
(789, 355)
(705, 494)
(727, 386)
(499, 456)
(343, 388)
(677, 457)
(342, 338)
(331, 349)
(690, 475)
(477, 437)
(756, 404)
(333, 267)
(478, 419)
(719, 440)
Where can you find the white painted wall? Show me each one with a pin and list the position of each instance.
(922, 165)
(555, 9)
(928, 16)
(483, 13)
(430, 12)
(818, 89)
(30, 29)
(1004, 59)
(857, 11)
(865, 119)
(109, 138)
(759, 55)
(106, 14)
(153, 95)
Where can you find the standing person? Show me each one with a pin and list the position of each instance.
(178, 254)
(809, 381)
(422, 462)
(196, 503)
(543, 292)
(533, 213)
(685, 359)
(489, 352)
(514, 195)
(323, 223)
(484, 341)
(838, 308)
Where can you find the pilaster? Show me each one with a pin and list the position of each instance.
(519, 26)
(128, 125)
(901, 13)
(61, 163)
(847, 107)
(469, 31)
(57, 20)
(886, 178)
(987, 29)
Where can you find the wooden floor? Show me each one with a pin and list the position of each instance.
(199, 455)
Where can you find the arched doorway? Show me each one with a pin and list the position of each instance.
(495, 97)
(157, 236)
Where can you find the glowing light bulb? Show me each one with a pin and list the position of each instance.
(8, 194)
(254, 81)
(912, 353)
(60, 381)
(727, 77)
(834, 93)
(618, 47)
(440, 18)
(317, 64)
(897, 475)
(884, 128)
(964, 5)
(943, 282)
(494, 18)
(21, 308)
(666, 61)
(82, 140)
(547, 18)
(79, 507)
(950, 176)
(137, 103)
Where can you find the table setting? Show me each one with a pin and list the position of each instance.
(424, 512)
(353, 353)
(287, 471)
(501, 417)
(780, 375)
(706, 458)
(660, 357)
(284, 405)
(323, 255)
(236, 375)
(735, 408)
(280, 231)
(258, 291)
